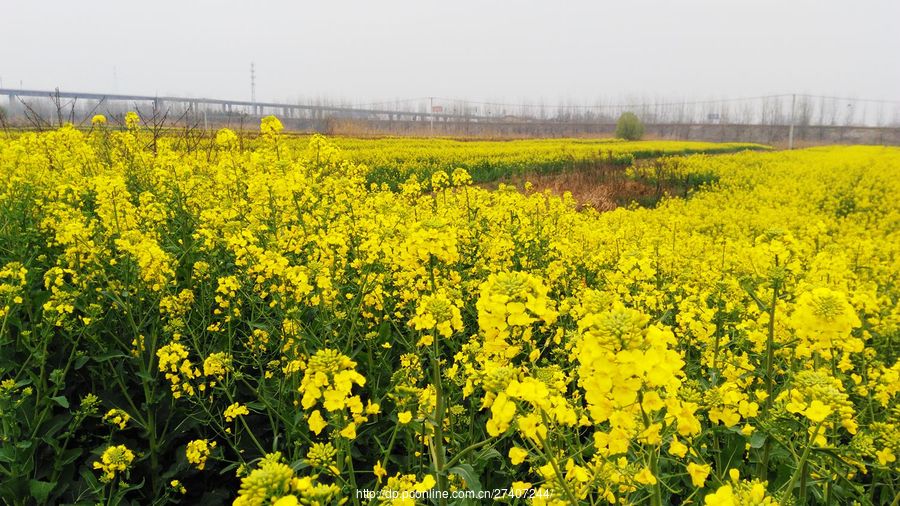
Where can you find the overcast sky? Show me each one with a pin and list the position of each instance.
(524, 50)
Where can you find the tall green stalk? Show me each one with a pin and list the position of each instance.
(789, 488)
(762, 470)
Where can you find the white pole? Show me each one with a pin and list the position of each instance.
(791, 129)
(431, 106)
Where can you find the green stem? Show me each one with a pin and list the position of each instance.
(262, 451)
(556, 471)
(789, 488)
(438, 454)
(804, 477)
(770, 349)
(656, 498)
(465, 451)
(763, 469)
(349, 460)
(387, 454)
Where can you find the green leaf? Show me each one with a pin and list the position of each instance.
(120, 495)
(144, 376)
(299, 465)
(488, 454)
(56, 424)
(757, 440)
(13, 489)
(80, 361)
(7, 454)
(105, 357)
(468, 474)
(69, 456)
(733, 449)
(61, 400)
(229, 469)
(751, 291)
(40, 490)
(91, 480)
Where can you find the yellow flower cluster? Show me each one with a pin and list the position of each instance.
(818, 396)
(274, 482)
(117, 418)
(270, 126)
(329, 380)
(824, 319)
(115, 460)
(12, 282)
(174, 362)
(153, 262)
(132, 120)
(216, 366)
(402, 486)
(198, 451)
(178, 487)
(740, 493)
(509, 303)
(631, 376)
(235, 410)
(321, 455)
(540, 404)
(438, 312)
(226, 139)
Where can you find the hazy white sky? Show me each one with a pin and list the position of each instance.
(522, 50)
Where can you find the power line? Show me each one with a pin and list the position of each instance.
(637, 105)
(392, 102)
(848, 99)
(615, 106)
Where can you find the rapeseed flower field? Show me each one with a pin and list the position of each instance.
(392, 160)
(277, 321)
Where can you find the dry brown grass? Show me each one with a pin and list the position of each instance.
(601, 187)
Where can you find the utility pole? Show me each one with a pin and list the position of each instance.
(431, 111)
(791, 129)
(253, 86)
